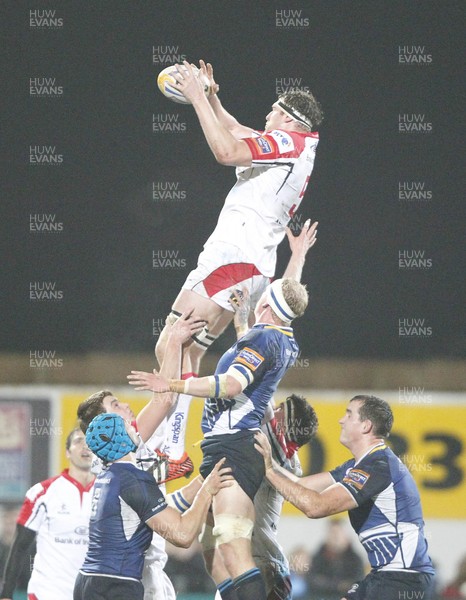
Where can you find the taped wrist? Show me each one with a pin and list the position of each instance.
(178, 385)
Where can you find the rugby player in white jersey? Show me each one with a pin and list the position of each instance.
(273, 170)
(56, 513)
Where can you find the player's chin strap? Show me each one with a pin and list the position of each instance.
(203, 339)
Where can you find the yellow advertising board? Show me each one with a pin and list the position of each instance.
(429, 438)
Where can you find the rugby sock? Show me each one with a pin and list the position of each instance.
(250, 585)
(226, 590)
(177, 422)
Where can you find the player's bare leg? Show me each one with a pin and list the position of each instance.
(234, 520)
(214, 563)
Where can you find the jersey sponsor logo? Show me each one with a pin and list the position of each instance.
(64, 510)
(250, 358)
(356, 478)
(263, 145)
(284, 141)
(82, 530)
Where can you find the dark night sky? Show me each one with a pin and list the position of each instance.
(348, 55)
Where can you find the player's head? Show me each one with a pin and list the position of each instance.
(377, 411)
(302, 108)
(101, 402)
(287, 300)
(300, 420)
(77, 451)
(110, 437)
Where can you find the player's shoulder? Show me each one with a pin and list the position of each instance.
(129, 474)
(42, 487)
(292, 141)
(378, 458)
(278, 333)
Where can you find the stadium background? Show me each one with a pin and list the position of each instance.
(131, 192)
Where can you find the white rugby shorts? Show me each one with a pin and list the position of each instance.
(222, 267)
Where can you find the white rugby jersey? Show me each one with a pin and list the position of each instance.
(266, 550)
(58, 510)
(266, 195)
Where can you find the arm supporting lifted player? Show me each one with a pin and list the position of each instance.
(316, 496)
(157, 408)
(182, 529)
(233, 381)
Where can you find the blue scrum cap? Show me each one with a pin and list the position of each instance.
(107, 437)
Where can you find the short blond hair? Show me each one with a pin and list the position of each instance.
(295, 295)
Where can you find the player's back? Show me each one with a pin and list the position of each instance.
(118, 537)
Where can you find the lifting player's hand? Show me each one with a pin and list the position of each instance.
(152, 382)
(307, 237)
(241, 303)
(219, 478)
(208, 71)
(262, 445)
(186, 326)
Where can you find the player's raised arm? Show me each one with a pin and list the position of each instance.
(156, 410)
(241, 302)
(226, 119)
(213, 386)
(225, 147)
(299, 246)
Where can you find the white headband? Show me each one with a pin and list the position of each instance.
(277, 301)
(294, 114)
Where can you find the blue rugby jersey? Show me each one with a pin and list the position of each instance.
(262, 356)
(388, 518)
(124, 499)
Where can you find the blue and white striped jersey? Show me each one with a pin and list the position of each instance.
(124, 499)
(262, 356)
(388, 518)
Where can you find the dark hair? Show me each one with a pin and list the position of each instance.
(91, 407)
(306, 104)
(301, 420)
(69, 437)
(378, 412)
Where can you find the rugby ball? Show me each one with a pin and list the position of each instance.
(167, 84)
